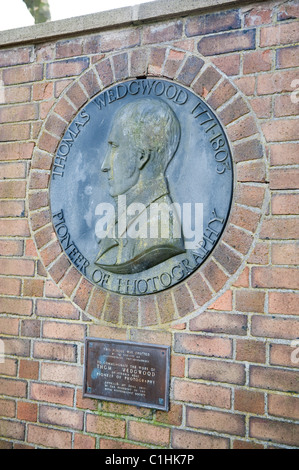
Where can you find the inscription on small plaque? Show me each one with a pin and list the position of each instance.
(127, 372)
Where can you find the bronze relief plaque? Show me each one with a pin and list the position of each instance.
(141, 186)
(127, 372)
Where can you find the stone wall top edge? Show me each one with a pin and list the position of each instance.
(121, 17)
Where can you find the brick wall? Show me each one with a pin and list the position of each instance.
(232, 324)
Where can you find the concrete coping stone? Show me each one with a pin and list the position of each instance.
(120, 17)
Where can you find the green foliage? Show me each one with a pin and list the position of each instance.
(39, 9)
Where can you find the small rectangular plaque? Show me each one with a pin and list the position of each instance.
(127, 372)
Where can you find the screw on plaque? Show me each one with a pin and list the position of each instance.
(89, 389)
(161, 401)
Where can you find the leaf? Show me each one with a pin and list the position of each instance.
(39, 9)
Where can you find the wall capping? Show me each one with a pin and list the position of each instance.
(126, 16)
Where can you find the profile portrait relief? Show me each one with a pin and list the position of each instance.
(143, 139)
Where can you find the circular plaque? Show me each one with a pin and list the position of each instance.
(141, 186)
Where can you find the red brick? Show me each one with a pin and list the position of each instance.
(166, 306)
(246, 84)
(250, 351)
(285, 178)
(190, 70)
(47, 142)
(11, 209)
(171, 417)
(12, 429)
(56, 309)
(10, 286)
(214, 275)
(257, 61)
(50, 253)
(59, 330)
(194, 440)
(61, 417)
(275, 327)
(23, 74)
(243, 279)
(280, 228)
(21, 112)
(173, 63)
(148, 433)
(224, 302)
(16, 56)
(10, 305)
(218, 421)
(33, 287)
(105, 72)
(277, 82)
(285, 253)
(217, 371)
(67, 68)
(30, 328)
(249, 401)
(9, 366)
(211, 322)
(70, 281)
(199, 288)
(162, 32)
(283, 406)
(227, 42)
(151, 336)
(284, 106)
(138, 63)
(238, 239)
(14, 227)
(284, 354)
(246, 127)
(250, 300)
(148, 311)
(77, 96)
(90, 83)
(262, 106)
(7, 408)
(284, 154)
(251, 172)
(227, 258)
(120, 62)
(285, 204)
(54, 351)
(206, 82)
(272, 378)
(61, 373)
(287, 57)
(9, 326)
(51, 290)
(27, 411)
(258, 16)
(65, 110)
(279, 34)
(284, 278)
(68, 48)
(233, 111)
(41, 435)
(60, 86)
(83, 293)
(84, 442)
(85, 403)
(281, 130)
(119, 445)
(245, 218)
(19, 267)
(122, 409)
(287, 12)
(183, 300)
(202, 345)
(28, 369)
(116, 40)
(11, 247)
(213, 23)
(105, 426)
(230, 64)
(59, 268)
(52, 394)
(222, 94)
(283, 303)
(192, 392)
(249, 195)
(274, 431)
(13, 132)
(13, 388)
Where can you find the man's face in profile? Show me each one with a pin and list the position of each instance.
(121, 162)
